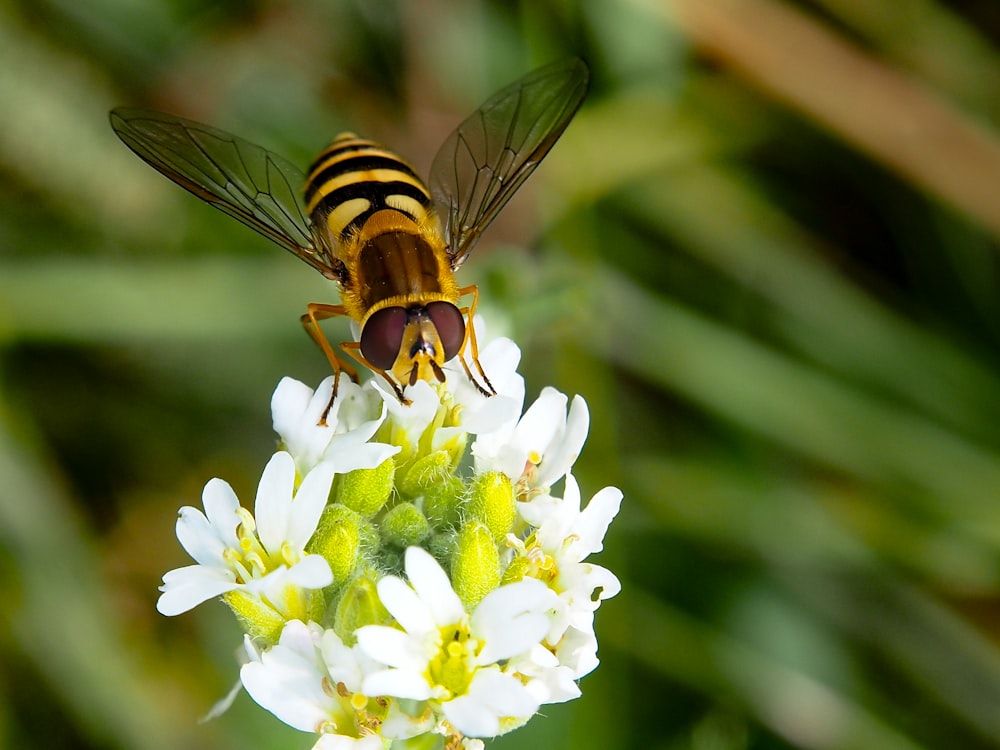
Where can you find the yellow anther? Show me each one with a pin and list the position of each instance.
(359, 701)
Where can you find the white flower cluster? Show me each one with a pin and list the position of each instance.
(393, 583)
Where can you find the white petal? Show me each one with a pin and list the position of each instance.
(288, 680)
(497, 411)
(559, 524)
(400, 683)
(358, 413)
(391, 647)
(538, 509)
(512, 619)
(499, 359)
(311, 572)
(503, 693)
(594, 520)
(356, 410)
(578, 651)
(281, 694)
(296, 410)
(571, 496)
(602, 581)
(433, 587)
(555, 685)
(543, 420)
(399, 725)
(508, 451)
(342, 661)
(345, 459)
(253, 652)
(416, 416)
(185, 588)
(502, 356)
(491, 696)
(471, 717)
(560, 457)
(343, 742)
(308, 505)
(273, 505)
(199, 538)
(404, 604)
(313, 433)
(221, 510)
(300, 638)
(223, 704)
(288, 404)
(508, 457)
(548, 680)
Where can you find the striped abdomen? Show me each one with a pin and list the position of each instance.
(353, 179)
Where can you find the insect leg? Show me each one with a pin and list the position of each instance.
(470, 339)
(353, 350)
(316, 312)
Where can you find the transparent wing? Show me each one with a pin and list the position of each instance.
(483, 163)
(251, 184)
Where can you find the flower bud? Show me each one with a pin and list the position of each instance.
(359, 605)
(425, 473)
(366, 490)
(475, 568)
(404, 526)
(442, 546)
(338, 539)
(443, 503)
(259, 621)
(491, 502)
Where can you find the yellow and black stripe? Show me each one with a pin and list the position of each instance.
(355, 178)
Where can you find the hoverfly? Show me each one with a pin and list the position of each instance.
(363, 218)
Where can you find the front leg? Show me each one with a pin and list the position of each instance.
(316, 312)
(353, 349)
(470, 339)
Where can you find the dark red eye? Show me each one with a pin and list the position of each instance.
(382, 336)
(450, 326)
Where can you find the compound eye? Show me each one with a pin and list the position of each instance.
(382, 336)
(450, 325)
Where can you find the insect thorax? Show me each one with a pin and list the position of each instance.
(402, 268)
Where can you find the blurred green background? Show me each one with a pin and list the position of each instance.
(765, 252)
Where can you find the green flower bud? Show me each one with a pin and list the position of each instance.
(443, 502)
(258, 620)
(425, 473)
(370, 539)
(338, 539)
(491, 502)
(475, 568)
(404, 526)
(366, 490)
(390, 560)
(359, 605)
(442, 546)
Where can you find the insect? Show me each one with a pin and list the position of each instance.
(364, 219)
